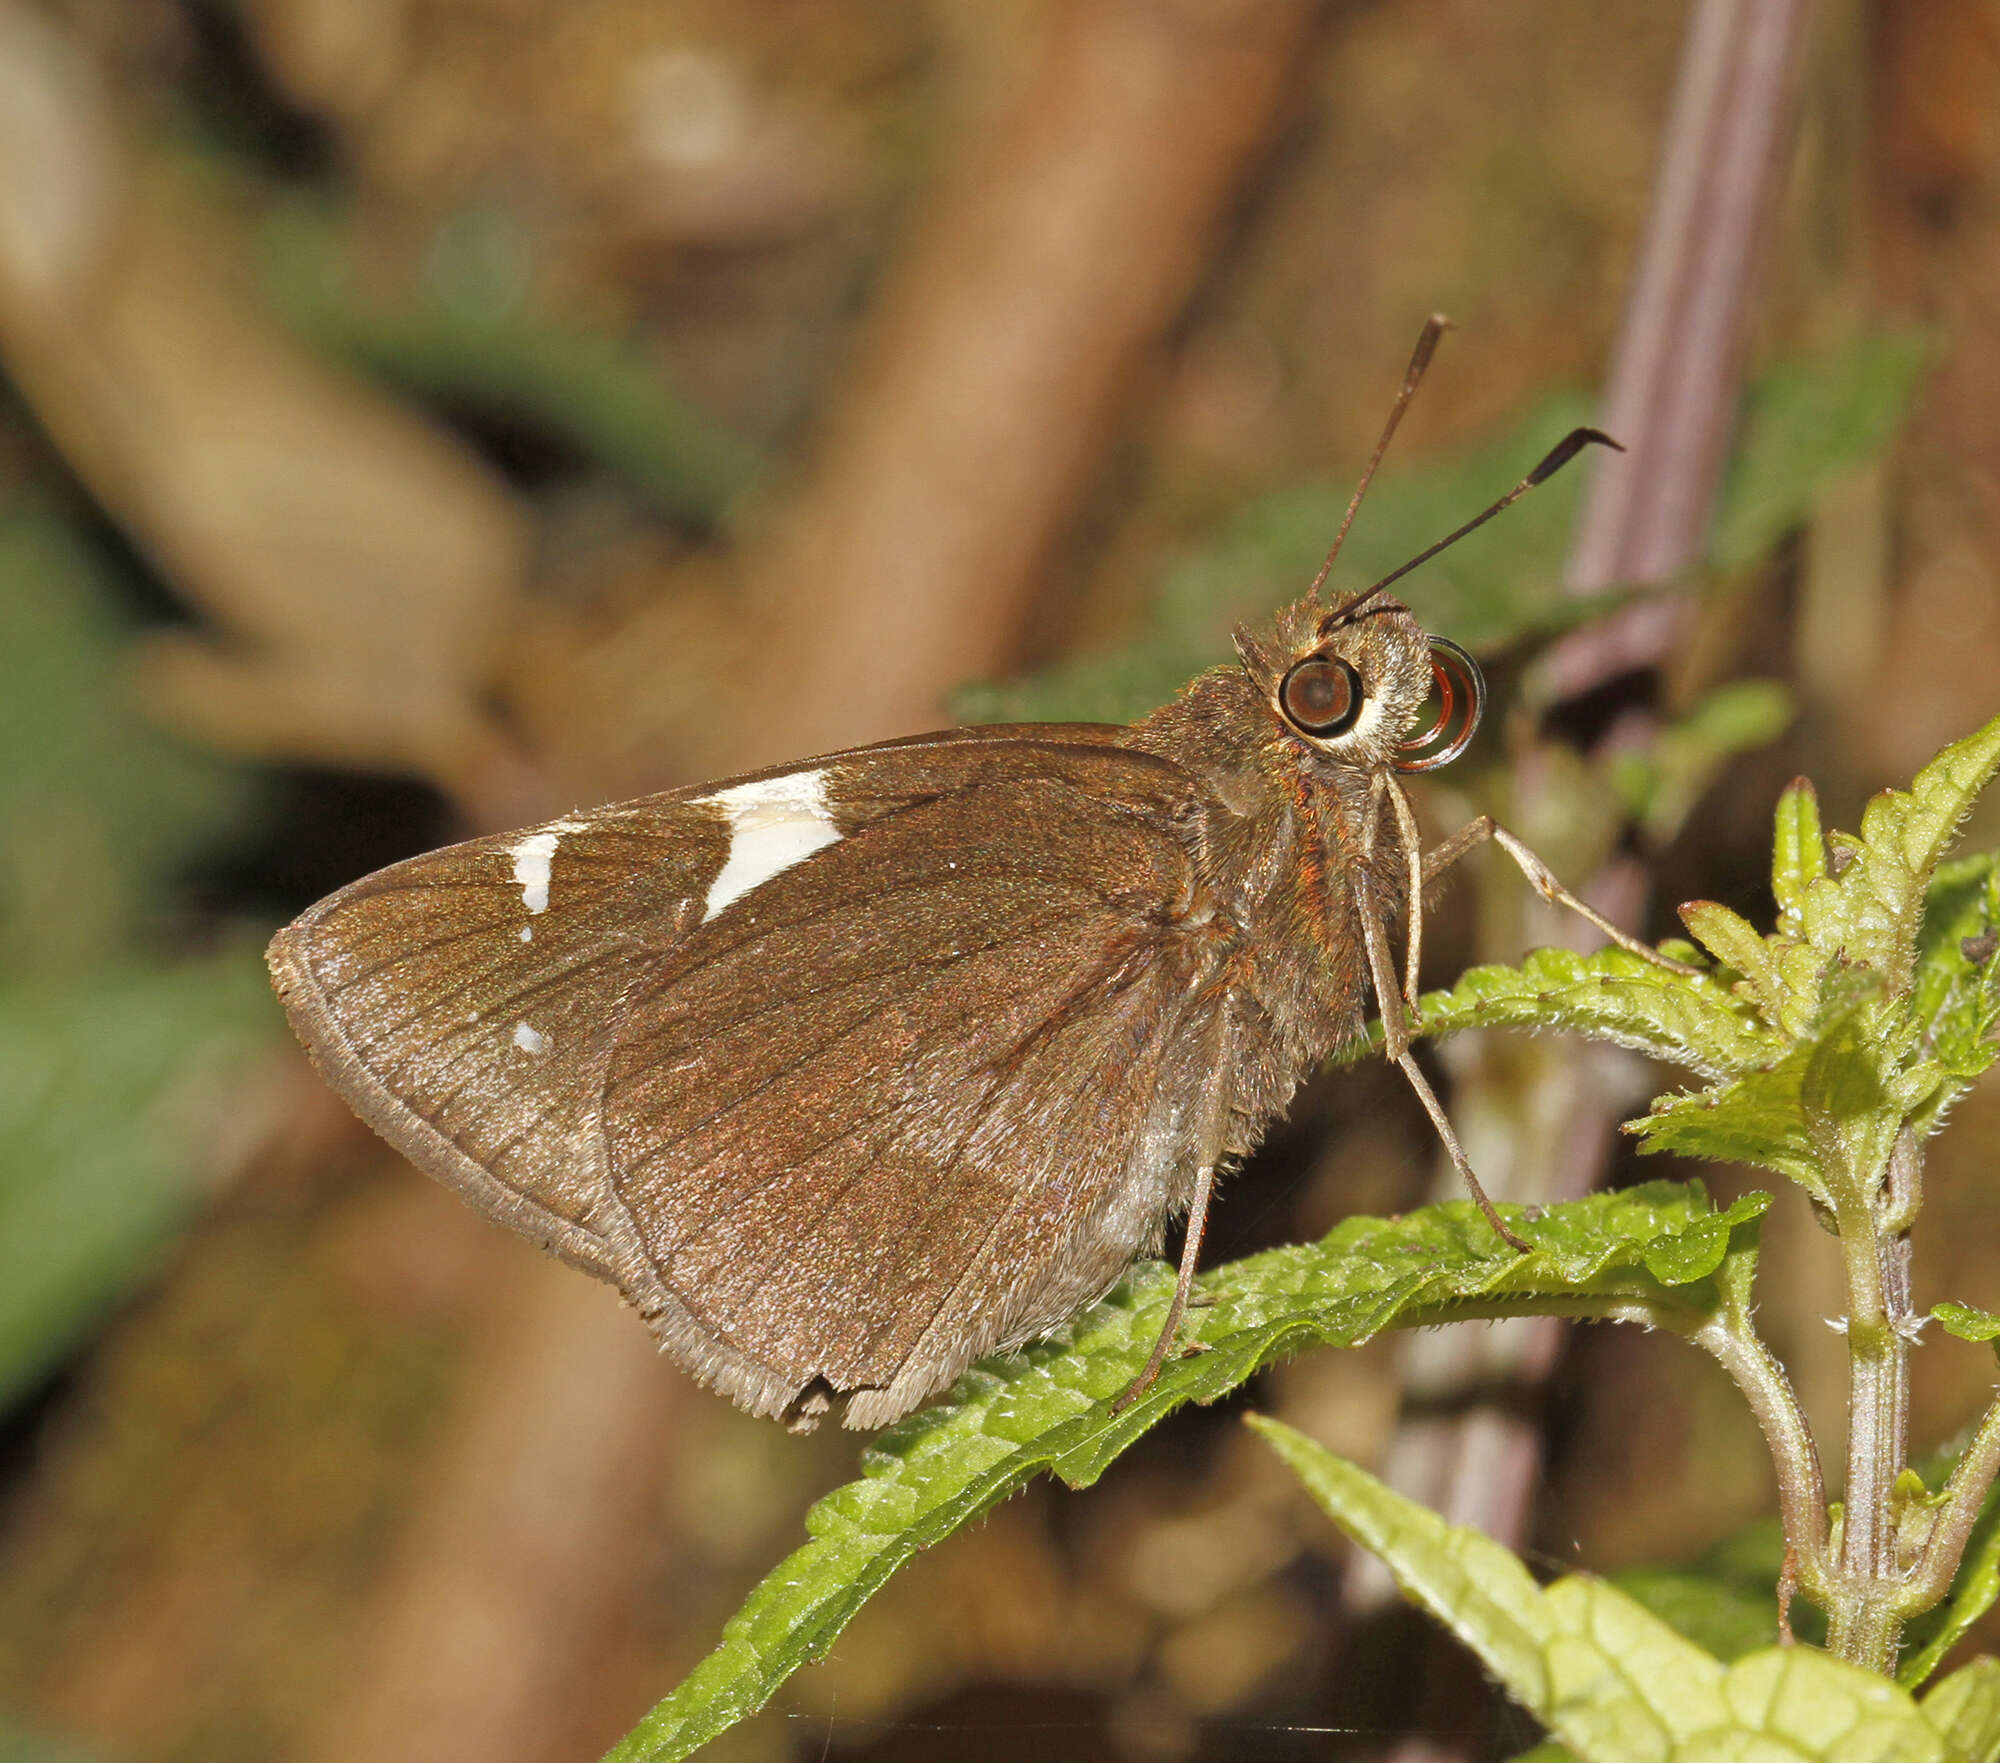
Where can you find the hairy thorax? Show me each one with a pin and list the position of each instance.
(1279, 843)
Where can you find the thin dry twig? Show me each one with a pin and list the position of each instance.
(1678, 366)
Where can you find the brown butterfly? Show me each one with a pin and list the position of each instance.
(850, 1072)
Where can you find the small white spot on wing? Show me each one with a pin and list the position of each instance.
(773, 824)
(529, 1040)
(534, 857)
(527, 933)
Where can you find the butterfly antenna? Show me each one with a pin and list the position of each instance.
(1553, 461)
(1420, 358)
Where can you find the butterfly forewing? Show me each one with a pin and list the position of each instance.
(468, 1022)
(929, 997)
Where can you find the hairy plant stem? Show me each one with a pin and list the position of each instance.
(1869, 1591)
(1866, 1616)
(1924, 1581)
(1865, 1585)
(1741, 1352)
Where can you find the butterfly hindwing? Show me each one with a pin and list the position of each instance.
(847, 1125)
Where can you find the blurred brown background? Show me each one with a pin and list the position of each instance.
(420, 416)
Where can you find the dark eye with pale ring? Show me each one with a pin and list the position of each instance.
(1321, 696)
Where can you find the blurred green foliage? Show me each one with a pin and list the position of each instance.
(1497, 584)
(1722, 1601)
(1804, 425)
(98, 810)
(111, 1081)
(20, 1744)
(1660, 784)
(470, 335)
(114, 1053)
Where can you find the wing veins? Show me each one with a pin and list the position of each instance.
(793, 1065)
(901, 1132)
(429, 946)
(938, 963)
(739, 1200)
(890, 890)
(543, 983)
(1005, 1216)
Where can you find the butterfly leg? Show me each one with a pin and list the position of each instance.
(1396, 1039)
(1410, 838)
(1456, 1152)
(1211, 1146)
(1477, 832)
(1197, 1223)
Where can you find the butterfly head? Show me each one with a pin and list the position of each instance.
(1352, 683)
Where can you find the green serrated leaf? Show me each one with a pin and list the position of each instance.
(1819, 1069)
(1807, 1703)
(1852, 1095)
(1692, 1254)
(1476, 1587)
(1049, 1409)
(1735, 942)
(1755, 1119)
(1798, 853)
(1871, 912)
(1955, 985)
(1607, 1677)
(1844, 1077)
(1610, 995)
(1802, 972)
(1825, 1114)
(1720, 1618)
(1965, 1710)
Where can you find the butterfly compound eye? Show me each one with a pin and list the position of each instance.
(1461, 696)
(1321, 695)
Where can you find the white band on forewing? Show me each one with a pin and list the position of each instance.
(773, 824)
